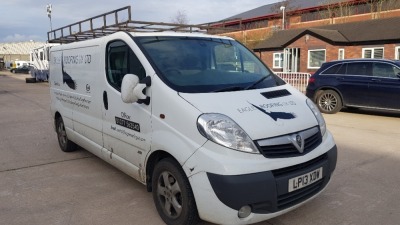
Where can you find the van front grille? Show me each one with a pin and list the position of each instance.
(303, 166)
(283, 147)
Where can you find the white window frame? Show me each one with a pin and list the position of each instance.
(308, 60)
(341, 50)
(373, 52)
(280, 66)
(396, 53)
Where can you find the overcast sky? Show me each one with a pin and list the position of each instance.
(24, 20)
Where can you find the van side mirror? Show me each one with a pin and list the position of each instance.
(133, 90)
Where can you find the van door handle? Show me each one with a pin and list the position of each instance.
(105, 100)
(339, 78)
(376, 80)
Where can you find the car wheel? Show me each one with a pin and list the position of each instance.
(329, 102)
(65, 144)
(172, 194)
(12, 71)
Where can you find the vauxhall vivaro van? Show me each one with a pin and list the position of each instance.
(199, 119)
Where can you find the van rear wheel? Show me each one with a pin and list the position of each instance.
(329, 102)
(172, 194)
(65, 144)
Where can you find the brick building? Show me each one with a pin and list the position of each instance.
(308, 32)
(309, 13)
(305, 49)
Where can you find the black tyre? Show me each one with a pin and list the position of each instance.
(172, 194)
(329, 102)
(65, 144)
(12, 71)
(30, 80)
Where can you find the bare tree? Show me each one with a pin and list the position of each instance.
(379, 6)
(334, 8)
(344, 8)
(180, 18)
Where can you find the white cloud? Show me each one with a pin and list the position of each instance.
(20, 37)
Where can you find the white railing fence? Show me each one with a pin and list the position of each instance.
(297, 80)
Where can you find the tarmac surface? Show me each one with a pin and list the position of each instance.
(40, 184)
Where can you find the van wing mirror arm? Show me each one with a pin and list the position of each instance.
(143, 84)
(146, 80)
(145, 101)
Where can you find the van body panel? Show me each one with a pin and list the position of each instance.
(127, 129)
(258, 116)
(177, 132)
(74, 84)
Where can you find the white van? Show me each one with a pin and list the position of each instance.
(198, 119)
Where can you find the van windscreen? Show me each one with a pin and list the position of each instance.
(199, 65)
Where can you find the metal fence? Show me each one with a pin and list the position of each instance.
(297, 80)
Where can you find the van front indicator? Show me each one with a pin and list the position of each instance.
(224, 131)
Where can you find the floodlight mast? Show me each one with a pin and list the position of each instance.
(49, 9)
(283, 16)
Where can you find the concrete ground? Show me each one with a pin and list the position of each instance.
(40, 184)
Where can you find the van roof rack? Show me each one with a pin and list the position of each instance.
(120, 20)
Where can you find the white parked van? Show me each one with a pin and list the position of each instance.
(198, 119)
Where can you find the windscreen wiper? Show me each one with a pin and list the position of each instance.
(231, 88)
(257, 82)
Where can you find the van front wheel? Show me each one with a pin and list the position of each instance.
(172, 194)
(65, 144)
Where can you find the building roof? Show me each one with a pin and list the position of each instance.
(19, 48)
(271, 9)
(378, 30)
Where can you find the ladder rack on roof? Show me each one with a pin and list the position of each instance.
(120, 20)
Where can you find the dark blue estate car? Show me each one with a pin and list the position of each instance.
(358, 83)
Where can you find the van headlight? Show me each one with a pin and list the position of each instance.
(318, 116)
(224, 131)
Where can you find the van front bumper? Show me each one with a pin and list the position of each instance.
(224, 184)
(267, 192)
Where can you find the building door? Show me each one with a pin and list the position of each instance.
(291, 59)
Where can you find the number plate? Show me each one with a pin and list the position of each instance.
(304, 180)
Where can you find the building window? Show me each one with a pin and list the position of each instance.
(278, 60)
(316, 58)
(397, 53)
(341, 54)
(372, 53)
